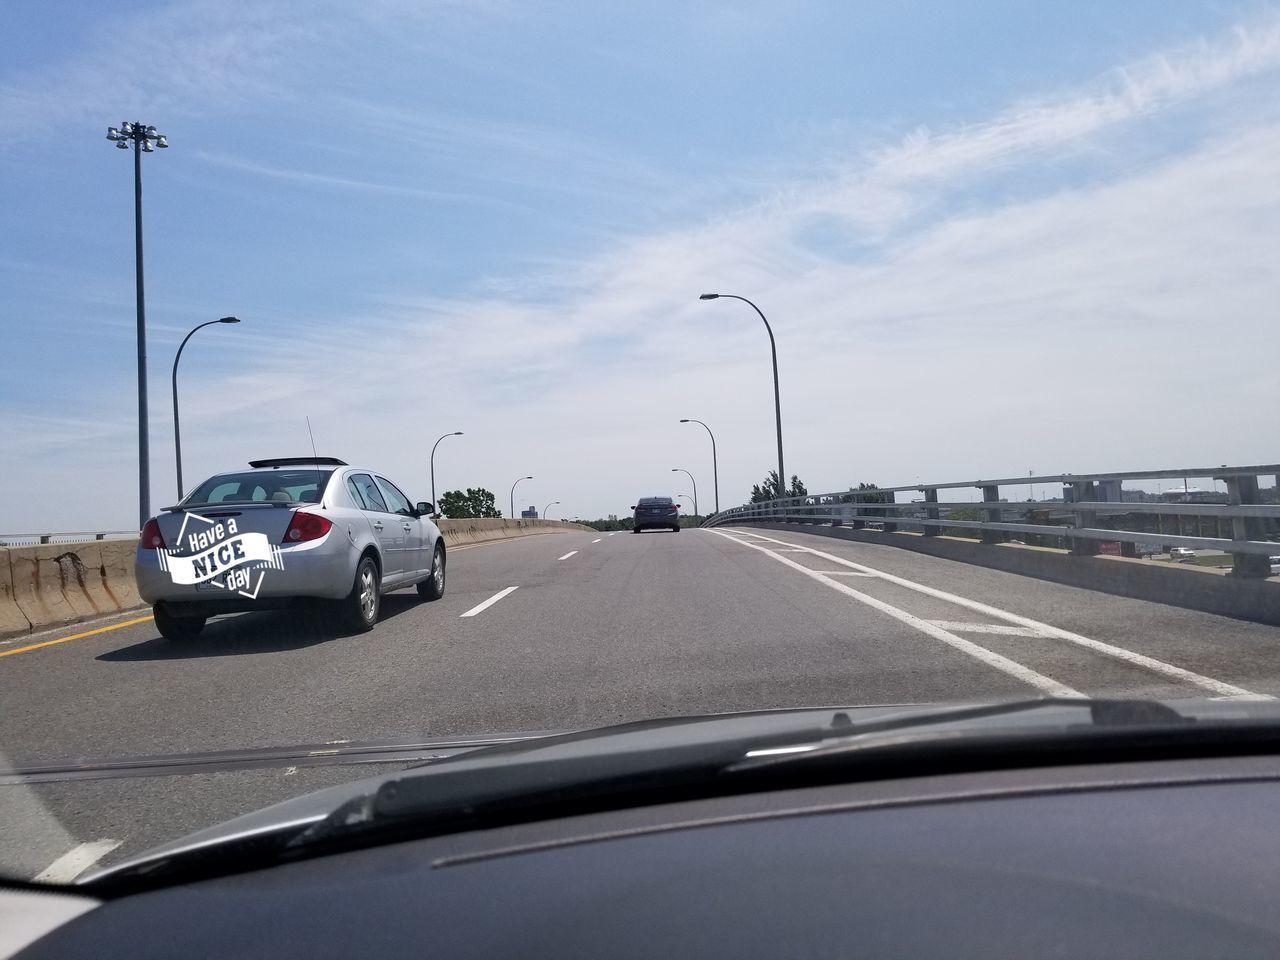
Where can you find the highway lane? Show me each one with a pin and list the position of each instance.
(598, 629)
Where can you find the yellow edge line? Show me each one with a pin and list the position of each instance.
(74, 636)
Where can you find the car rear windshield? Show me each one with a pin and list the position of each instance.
(655, 502)
(281, 486)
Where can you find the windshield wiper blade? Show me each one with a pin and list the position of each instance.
(343, 752)
(442, 795)
(856, 738)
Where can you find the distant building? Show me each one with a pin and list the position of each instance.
(613, 518)
(529, 513)
(1107, 491)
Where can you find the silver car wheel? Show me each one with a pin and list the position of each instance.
(432, 588)
(368, 593)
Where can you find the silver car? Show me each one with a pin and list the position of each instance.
(314, 528)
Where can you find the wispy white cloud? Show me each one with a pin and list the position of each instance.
(897, 180)
(176, 60)
(510, 154)
(310, 178)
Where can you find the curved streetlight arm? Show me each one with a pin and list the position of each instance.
(513, 496)
(173, 381)
(435, 508)
(777, 401)
(715, 466)
(695, 486)
(548, 507)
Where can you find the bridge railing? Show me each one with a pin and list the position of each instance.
(1091, 512)
(82, 536)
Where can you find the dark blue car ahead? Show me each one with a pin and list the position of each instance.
(657, 513)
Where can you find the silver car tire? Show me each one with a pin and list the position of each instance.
(432, 588)
(361, 607)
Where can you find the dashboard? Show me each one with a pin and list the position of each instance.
(1162, 859)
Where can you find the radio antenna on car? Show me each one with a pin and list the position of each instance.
(319, 492)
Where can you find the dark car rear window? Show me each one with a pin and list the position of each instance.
(654, 501)
(305, 486)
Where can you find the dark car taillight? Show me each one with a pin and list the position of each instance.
(151, 538)
(307, 526)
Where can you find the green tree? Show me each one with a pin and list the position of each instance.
(769, 489)
(866, 493)
(476, 503)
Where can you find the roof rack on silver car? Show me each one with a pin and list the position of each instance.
(298, 462)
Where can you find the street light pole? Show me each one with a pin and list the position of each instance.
(685, 496)
(695, 487)
(141, 136)
(144, 438)
(435, 507)
(777, 401)
(715, 468)
(548, 507)
(513, 496)
(777, 398)
(177, 430)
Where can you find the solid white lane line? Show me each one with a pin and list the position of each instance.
(597, 539)
(843, 573)
(481, 607)
(997, 628)
(569, 554)
(989, 657)
(1120, 653)
(76, 861)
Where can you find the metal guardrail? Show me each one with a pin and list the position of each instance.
(1092, 511)
(80, 536)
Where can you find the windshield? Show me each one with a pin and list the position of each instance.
(606, 363)
(290, 485)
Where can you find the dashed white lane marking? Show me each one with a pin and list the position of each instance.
(569, 554)
(997, 628)
(76, 861)
(1043, 629)
(989, 657)
(482, 607)
(597, 539)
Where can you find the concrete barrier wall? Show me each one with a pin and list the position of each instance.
(47, 585)
(65, 582)
(1178, 585)
(478, 531)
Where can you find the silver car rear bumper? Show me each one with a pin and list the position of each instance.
(323, 569)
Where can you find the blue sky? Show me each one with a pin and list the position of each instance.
(990, 237)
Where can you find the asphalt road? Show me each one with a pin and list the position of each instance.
(599, 629)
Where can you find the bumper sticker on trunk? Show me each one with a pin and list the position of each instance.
(219, 556)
